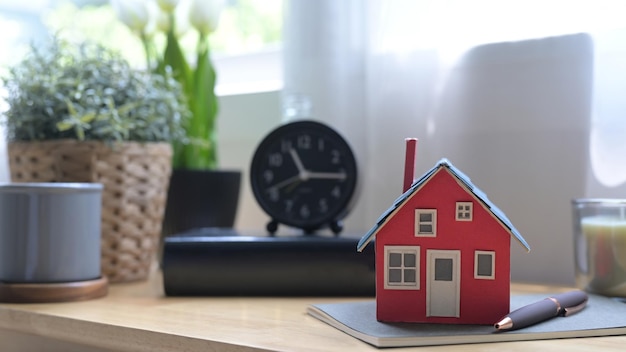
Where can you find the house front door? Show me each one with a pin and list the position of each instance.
(442, 283)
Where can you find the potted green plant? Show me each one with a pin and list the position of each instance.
(77, 112)
(200, 194)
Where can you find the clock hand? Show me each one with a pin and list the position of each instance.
(286, 182)
(291, 187)
(297, 161)
(327, 175)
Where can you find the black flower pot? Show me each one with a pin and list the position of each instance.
(201, 198)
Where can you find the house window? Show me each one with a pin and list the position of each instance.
(425, 222)
(402, 267)
(443, 269)
(464, 211)
(484, 265)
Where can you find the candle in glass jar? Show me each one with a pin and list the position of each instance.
(606, 251)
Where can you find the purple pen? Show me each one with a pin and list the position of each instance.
(563, 304)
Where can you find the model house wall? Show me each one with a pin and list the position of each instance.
(443, 253)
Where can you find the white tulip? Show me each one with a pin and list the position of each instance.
(182, 18)
(162, 21)
(204, 15)
(153, 13)
(133, 13)
(181, 15)
(167, 5)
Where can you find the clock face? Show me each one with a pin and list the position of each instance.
(304, 174)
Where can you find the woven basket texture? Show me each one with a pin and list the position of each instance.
(135, 177)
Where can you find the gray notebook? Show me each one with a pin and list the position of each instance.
(601, 317)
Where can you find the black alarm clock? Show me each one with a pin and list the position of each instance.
(304, 174)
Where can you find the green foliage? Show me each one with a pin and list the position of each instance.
(199, 151)
(88, 92)
(245, 25)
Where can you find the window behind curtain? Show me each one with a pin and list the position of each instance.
(245, 46)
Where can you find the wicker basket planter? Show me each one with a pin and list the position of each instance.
(135, 177)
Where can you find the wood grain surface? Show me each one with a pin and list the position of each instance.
(138, 317)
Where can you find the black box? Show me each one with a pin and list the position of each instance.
(214, 262)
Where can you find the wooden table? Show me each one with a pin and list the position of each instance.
(137, 317)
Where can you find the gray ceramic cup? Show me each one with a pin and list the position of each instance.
(49, 232)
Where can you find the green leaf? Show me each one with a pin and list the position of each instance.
(203, 155)
(70, 107)
(90, 116)
(175, 59)
(64, 125)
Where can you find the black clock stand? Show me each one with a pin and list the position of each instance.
(336, 226)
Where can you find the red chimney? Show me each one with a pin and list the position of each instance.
(409, 163)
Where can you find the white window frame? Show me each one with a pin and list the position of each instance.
(417, 231)
(493, 265)
(402, 250)
(255, 72)
(460, 208)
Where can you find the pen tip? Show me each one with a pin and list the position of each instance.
(504, 324)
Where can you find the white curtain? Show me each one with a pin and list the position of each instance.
(523, 96)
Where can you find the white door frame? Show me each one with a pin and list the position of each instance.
(443, 298)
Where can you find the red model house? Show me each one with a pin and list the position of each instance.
(442, 253)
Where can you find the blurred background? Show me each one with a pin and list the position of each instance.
(526, 97)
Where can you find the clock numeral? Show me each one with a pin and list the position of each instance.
(336, 192)
(288, 205)
(335, 157)
(268, 176)
(273, 194)
(285, 146)
(275, 159)
(323, 205)
(321, 144)
(304, 141)
(305, 212)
